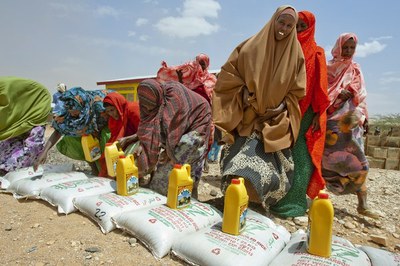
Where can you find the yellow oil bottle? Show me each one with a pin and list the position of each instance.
(127, 176)
(112, 151)
(180, 186)
(91, 148)
(320, 222)
(235, 207)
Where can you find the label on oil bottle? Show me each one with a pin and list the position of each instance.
(242, 218)
(114, 163)
(95, 152)
(184, 195)
(132, 183)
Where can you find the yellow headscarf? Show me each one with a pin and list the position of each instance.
(273, 72)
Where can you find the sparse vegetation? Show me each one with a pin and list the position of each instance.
(385, 122)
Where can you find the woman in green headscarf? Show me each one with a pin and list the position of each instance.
(24, 107)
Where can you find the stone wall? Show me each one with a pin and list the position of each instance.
(383, 151)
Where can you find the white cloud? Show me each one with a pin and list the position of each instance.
(387, 80)
(205, 8)
(141, 21)
(131, 33)
(103, 11)
(368, 48)
(381, 38)
(186, 27)
(143, 38)
(192, 21)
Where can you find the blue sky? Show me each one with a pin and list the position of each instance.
(86, 41)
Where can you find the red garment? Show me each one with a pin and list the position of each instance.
(167, 112)
(316, 96)
(193, 75)
(129, 117)
(126, 125)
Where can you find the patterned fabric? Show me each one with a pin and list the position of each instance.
(271, 173)
(273, 73)
(190, 149)
(344, 73)
(167, 112)
(129, 117)
(22, 151)
(80, 112)
(295, 203)
(24, 104)
(344, 165)
(193, 76)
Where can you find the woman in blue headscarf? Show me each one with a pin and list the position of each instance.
(79, 112)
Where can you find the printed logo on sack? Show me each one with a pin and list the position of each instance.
(216, 251)
(152, 221)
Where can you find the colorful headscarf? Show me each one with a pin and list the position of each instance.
(80, 112)
(193, 76)
(204, 58)
(273, 72)
(344, 73)
(24, 104)
(129, 118)
(168, 111)
(316, 96)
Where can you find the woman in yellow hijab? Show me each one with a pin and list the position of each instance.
(256, 107)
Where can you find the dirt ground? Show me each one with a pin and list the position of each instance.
(33, 233)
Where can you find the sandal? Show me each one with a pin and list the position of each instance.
(369, 213)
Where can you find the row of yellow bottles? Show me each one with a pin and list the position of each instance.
(119, 166)
(180, 186)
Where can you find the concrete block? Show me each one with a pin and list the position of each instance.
(392, 164)
(380, 153)
(373, 140)
(376, 163)
(393, 153)
(370, 150)
(391, 142)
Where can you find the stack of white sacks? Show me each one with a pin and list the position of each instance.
(193, 234)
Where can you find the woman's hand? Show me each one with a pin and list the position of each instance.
(40, 160)
(55, 136)
(315, 123)
(126, 141)
(246, 95)
(163, 158)
(273, 112)
(137, 150)
(345, 95)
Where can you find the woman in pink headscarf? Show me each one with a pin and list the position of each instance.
(344, 165)
(193, 74)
